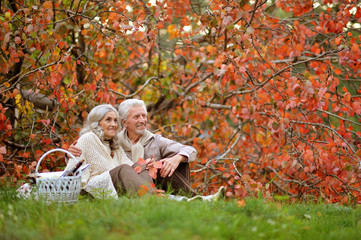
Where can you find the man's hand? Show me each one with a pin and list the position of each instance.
(169, 165)
(74, 150)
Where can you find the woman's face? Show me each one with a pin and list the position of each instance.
(109, 124)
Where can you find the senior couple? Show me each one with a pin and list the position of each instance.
(113, 155)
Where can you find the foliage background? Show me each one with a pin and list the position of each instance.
(267, 91)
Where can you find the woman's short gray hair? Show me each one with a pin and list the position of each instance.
(92, 123)
(124, 107)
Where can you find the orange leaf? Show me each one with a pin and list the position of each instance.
(48, 5)
(39, 153)
(84, 114)
(158, 164)
(141, 161)
(211, 49)
(241, 203)
(355, 48)
(99, 76)
(153, 173)
(219, 60)
(338, 71)
(138, 169)
(142, 190)
(84, 32)
(338, 40)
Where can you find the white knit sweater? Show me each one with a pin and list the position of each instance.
(96, 179)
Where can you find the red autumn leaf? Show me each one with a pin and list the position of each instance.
(357, 107)
(46, 122)
(347, 96)
(87, 87)
(93, 87)
(246, 177)
(61, 45)
(17, 40)
(112, 86)
(2, 150)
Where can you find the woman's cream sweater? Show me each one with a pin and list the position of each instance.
(96, 179)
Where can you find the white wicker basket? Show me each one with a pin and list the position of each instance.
(58, 189)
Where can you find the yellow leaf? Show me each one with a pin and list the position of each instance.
(211, 49)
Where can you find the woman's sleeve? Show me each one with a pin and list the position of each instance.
(123, 158)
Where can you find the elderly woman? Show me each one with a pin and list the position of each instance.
(111, 172)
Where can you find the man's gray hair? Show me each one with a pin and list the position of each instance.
(92, 123)
(124, 107)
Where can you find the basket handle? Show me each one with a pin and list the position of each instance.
(53, 150)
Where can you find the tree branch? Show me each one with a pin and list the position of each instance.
(136, 92)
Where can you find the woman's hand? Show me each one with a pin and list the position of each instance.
(74, 150)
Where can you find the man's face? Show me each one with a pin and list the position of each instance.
(137, 121)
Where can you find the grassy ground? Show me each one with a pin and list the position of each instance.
(154, 217)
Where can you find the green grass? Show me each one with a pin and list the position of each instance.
(152, 217)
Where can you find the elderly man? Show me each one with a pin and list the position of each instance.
(138, 142)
